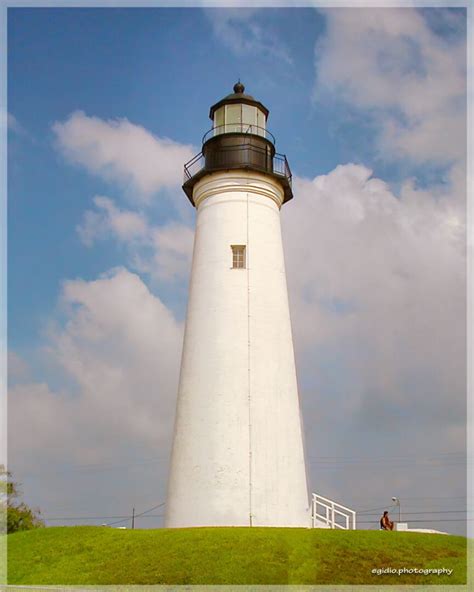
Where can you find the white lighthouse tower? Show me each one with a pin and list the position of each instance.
(238, 456)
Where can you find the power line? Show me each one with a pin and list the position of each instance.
(425, 521)
(386, 458)
(384, 469)
(154, 508)
(98, 467)
(410, 512)
(441, 497)
(388, 466)
(137, 515)
(429, 512)
(161, 515)
(436, 497)
(100, 517)
(316, 459)
(374, 509)
(86, 518)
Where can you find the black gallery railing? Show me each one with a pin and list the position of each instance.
(239, 156)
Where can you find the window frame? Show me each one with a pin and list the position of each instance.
(239, 256)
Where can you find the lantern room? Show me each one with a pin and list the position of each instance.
(238, 139)
(239, 113)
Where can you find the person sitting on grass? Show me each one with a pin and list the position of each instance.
(385, 522)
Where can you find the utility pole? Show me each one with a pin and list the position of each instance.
(397, 502)
(133, 518)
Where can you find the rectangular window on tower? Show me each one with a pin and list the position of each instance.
(238, 256)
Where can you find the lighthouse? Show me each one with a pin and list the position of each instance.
(238, 456)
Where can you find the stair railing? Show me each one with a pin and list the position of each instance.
(332, 512)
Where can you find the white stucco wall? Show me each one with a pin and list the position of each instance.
(238, 452)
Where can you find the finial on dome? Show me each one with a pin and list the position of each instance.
(239, 87)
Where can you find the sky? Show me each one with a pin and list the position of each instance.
(105, 105)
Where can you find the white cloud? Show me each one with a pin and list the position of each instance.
(125, 225)
(14, 125)
(173, 247)
(377, 287)
(122, 152)
(10, 122)
(18, 370)
(384, 279)
(163, 251)
(239, 30)
(389, 62)
(119, 349)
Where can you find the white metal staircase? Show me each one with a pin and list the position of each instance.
(326, 513)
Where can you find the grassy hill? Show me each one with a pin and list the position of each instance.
(99, 555)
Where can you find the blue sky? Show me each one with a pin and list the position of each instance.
(105, 105)
(128, 63)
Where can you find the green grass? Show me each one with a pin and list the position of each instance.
(98, 555)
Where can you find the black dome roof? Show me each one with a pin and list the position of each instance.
(238, 96)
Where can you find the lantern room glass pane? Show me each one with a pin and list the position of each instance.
(260, 122)
(233, 118)
(219, 121)
(249, 119)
